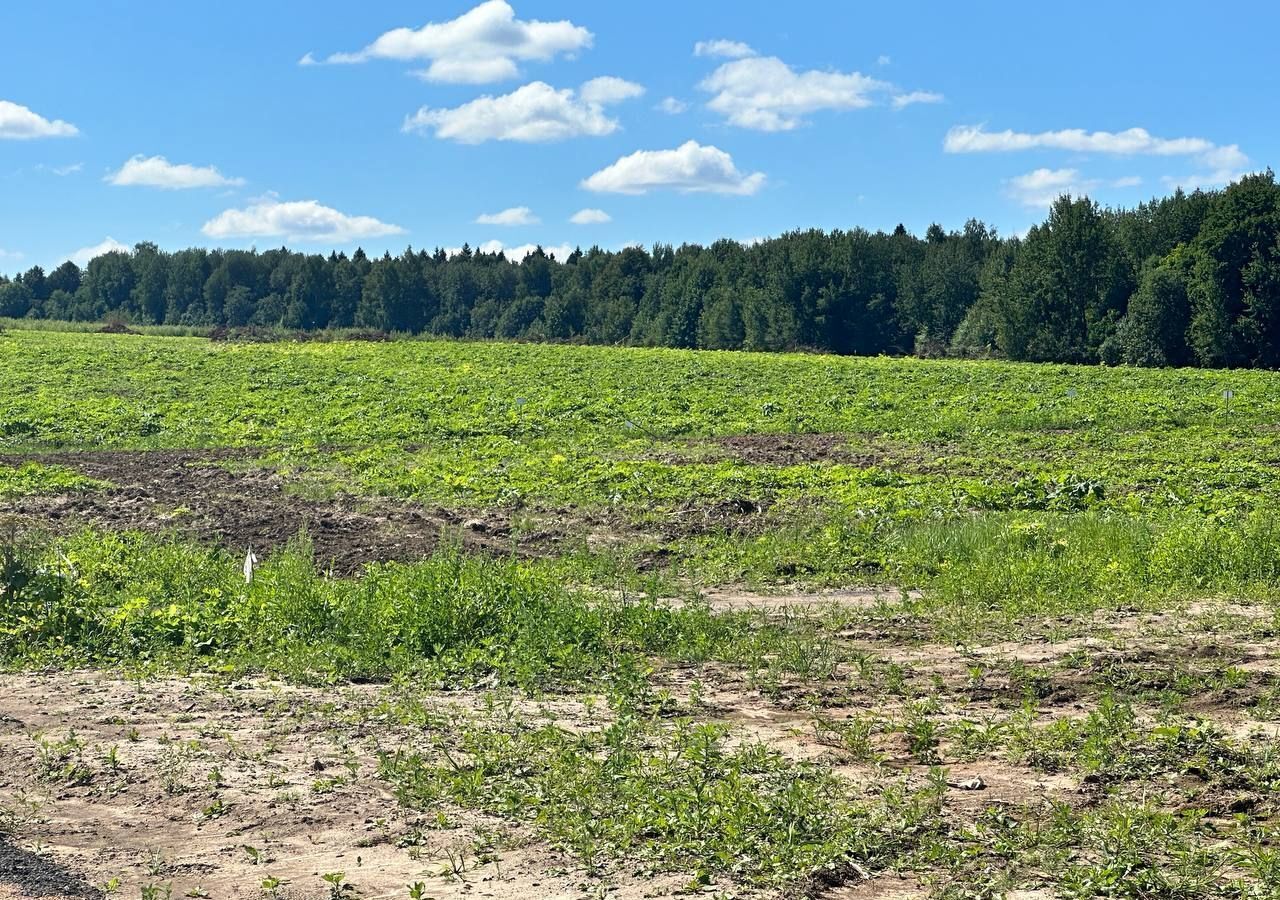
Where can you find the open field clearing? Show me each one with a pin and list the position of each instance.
(589, 622)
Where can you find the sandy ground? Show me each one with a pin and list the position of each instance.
(213, 787)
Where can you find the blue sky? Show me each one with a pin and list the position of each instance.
(329, 125)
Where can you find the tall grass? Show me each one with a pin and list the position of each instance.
(138, 600)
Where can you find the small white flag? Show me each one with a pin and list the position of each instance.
(250, 560)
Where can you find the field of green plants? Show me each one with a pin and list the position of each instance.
(634, 622)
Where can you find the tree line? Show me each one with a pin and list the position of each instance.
(1188, 279)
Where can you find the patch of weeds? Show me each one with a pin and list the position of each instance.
(853, 735)
(174, 765)
(1111, 747)
(677, 796)
(62, 760)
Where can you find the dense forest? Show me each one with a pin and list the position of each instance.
(1190, 279)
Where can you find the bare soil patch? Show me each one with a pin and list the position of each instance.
(221, 496)
(228, 497)
(796, 449)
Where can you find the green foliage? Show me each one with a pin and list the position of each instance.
(1066, 291)
(1154, 333)
(129, 599)
(32, 478)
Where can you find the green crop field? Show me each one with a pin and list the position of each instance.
(631, 622)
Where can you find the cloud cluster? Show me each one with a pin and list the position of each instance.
(1221, 163)
(516, 215)
(976, 139)
(485, 44)
(297, 220)
(900, 101)
(156, 171)
(690, 168)
(18, 123)
(534, 113)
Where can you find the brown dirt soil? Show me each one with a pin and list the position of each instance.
(293, 773)
(229, 497)
(296, 767)
(221, 496)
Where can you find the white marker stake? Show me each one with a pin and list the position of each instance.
(250, 560)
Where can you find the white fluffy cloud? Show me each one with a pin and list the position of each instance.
(516, 215)
(901, 101)
(1040, 188)
(17, 123)
(723, 48)
(156, 171)
(483, 45)
(590, 217)
(690, 168)
(764, 93)
(672, 107)
(1043, 186)
(296, 220)
(534, 113)
(82, 256)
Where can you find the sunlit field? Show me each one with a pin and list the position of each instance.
(433, 619)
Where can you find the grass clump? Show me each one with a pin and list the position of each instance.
(32, 478)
